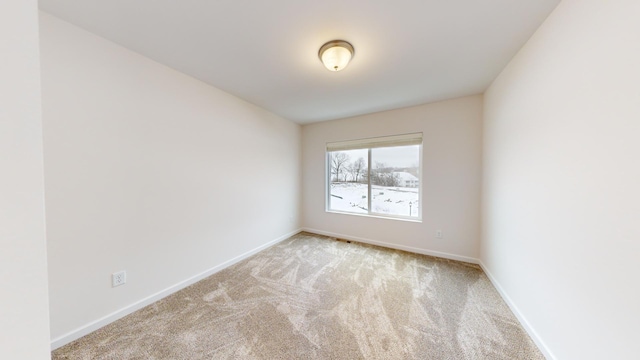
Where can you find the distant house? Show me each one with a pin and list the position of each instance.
(406, 179)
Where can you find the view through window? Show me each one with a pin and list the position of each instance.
(379, 176)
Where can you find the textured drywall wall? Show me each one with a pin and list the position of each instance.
(150, 171)
(24, 312)
(561, 200)
(451, 168)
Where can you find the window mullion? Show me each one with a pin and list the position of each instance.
(369, 182)
(327, 202)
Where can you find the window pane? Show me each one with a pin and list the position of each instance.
(395, 180)
(348, 181)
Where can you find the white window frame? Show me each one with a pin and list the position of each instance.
(371, 143)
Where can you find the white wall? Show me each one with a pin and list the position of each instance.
(561, 195)
(150, 171)
(24, 313)
(451, 168)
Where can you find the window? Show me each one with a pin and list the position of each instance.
(378, 176)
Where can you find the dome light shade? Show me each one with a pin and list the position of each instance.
(336, 54)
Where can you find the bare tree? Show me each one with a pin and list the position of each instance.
(383, 176)
(357, 168)
(339, 162)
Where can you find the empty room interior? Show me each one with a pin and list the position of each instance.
(297, 179)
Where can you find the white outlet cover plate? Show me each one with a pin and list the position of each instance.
(118, 278)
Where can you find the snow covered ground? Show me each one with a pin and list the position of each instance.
(352, 197)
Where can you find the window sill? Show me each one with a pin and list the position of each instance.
(378, 216)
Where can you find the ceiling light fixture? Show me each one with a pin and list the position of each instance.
(336, 54)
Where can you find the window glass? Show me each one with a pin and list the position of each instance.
(395, 180)
(378, 176)
(348, 181)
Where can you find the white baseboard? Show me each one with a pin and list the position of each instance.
(523, 320)
(97, 324)
(396, 246)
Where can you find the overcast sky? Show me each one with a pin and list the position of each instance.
(401, 156)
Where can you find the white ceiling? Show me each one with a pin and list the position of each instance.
(407, 52)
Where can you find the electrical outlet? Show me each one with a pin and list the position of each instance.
(118, 278)
(438, 234)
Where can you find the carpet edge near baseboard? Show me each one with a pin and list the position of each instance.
(411, 249)
(516, 311)
(118, 314)
(105, 320)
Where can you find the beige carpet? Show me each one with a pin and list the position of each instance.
(312, 297)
